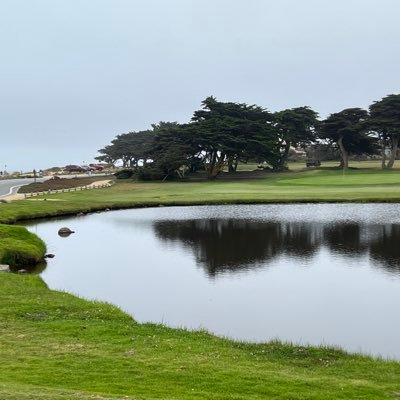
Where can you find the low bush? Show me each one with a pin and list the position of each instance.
(150, 174)
(124, 174)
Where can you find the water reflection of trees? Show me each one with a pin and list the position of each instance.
(386, 250)
(223, 245)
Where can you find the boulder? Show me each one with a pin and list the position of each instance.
(65, 231)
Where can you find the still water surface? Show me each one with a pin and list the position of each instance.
(311, 274)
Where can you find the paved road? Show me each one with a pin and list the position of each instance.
(10, 186)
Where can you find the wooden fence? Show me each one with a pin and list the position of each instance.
(75, 189)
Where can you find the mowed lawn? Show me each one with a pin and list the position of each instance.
(325, 185)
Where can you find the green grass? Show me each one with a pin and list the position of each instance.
(57, 346)
(316, 185)
(19, 247)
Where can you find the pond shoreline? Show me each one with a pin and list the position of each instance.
(259, 251)
(110, 350)
(110, 207)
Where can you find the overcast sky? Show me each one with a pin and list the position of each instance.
(75, 73)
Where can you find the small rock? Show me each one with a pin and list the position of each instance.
(65, 231)
(49, 255)
(4, 268)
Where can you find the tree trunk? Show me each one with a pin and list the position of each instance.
(284, 157)
(395, 146)
(232, 164)
(211, 165)
(281, 162)
(235, 164)
(344, 153)
(216, 165)
(383, 154)
(383, 150)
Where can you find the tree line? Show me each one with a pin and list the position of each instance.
(222, 134)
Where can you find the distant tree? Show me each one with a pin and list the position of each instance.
(294, 127)
(174, 148)
(348, 130)
(130, 148)
(229, 132)
(108, 155)
(384, 120)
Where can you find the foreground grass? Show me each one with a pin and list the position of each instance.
(19, 247)
(56, 346)
(364, 185)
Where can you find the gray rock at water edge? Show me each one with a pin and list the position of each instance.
(4, 268)
(49, 255)
(65, 231)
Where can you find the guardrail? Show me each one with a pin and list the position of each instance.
(75, 189)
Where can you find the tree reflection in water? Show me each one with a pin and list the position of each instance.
(234, 245)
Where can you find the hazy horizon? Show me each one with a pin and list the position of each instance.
(75, 74)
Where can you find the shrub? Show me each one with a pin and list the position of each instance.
(124, 174)
(150, 174)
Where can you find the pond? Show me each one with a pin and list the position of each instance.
(308, 274)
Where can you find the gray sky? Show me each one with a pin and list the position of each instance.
(75, 73)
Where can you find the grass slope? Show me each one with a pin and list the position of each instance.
(19, 247)
(56, 346)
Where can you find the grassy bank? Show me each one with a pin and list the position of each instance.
(363, 185)
(19, 247)
(56, 346)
